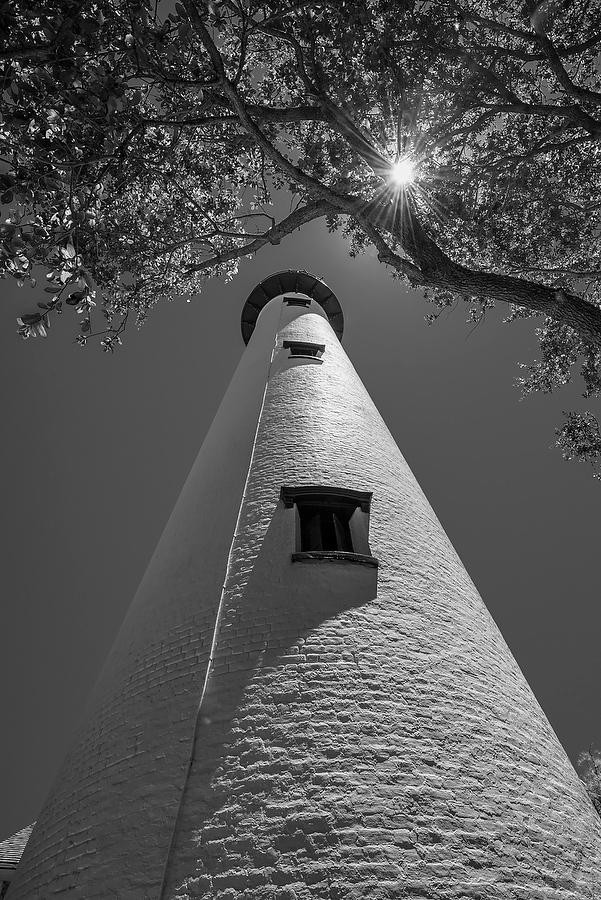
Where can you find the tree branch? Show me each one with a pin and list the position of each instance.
(271, 114)
(571, 113)
(512, 103)
(555, 63)
(363, 146)
(438, 270)
(273, 235)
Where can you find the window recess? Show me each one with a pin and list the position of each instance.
(304, 349)
(297, 301)
(330, 523)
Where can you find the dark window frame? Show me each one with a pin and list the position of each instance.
(304, 349)
(332, 515)
(297, 301)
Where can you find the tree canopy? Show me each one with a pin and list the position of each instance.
(145, 148)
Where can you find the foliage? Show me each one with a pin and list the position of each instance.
(589, 769)
(580, 438)
(145, 149)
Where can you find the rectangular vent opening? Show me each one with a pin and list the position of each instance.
(304, 349)
(297, 301)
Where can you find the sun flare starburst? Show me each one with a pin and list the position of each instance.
(402, 172)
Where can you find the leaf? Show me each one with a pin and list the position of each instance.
(75, 298)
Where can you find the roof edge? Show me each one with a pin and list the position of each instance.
(294, 281)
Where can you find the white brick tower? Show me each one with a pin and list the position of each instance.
(308, 698)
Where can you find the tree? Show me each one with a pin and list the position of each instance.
(144, 151)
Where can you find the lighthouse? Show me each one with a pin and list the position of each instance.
(308, 698)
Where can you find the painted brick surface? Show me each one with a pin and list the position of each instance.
(11, 848)
(361, 733)
(366, 734)
(106, 827)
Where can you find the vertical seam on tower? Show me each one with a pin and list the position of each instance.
(217, 624)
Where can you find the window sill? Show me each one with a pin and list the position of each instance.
(335, 556)
(305, 356)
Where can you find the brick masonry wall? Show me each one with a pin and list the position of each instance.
(366, 734)
(363, 733)
(106, 827)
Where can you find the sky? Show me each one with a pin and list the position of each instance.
(95, 448)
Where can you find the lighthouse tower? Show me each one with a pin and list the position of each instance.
(308, 698)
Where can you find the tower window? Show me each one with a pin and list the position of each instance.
(325, 527)
(297, 301)
(331, 523)
(304, 349)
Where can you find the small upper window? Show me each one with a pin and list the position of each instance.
(304, 348)
(331, 523)
(297, 301)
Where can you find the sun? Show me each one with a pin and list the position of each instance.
(402, 172)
